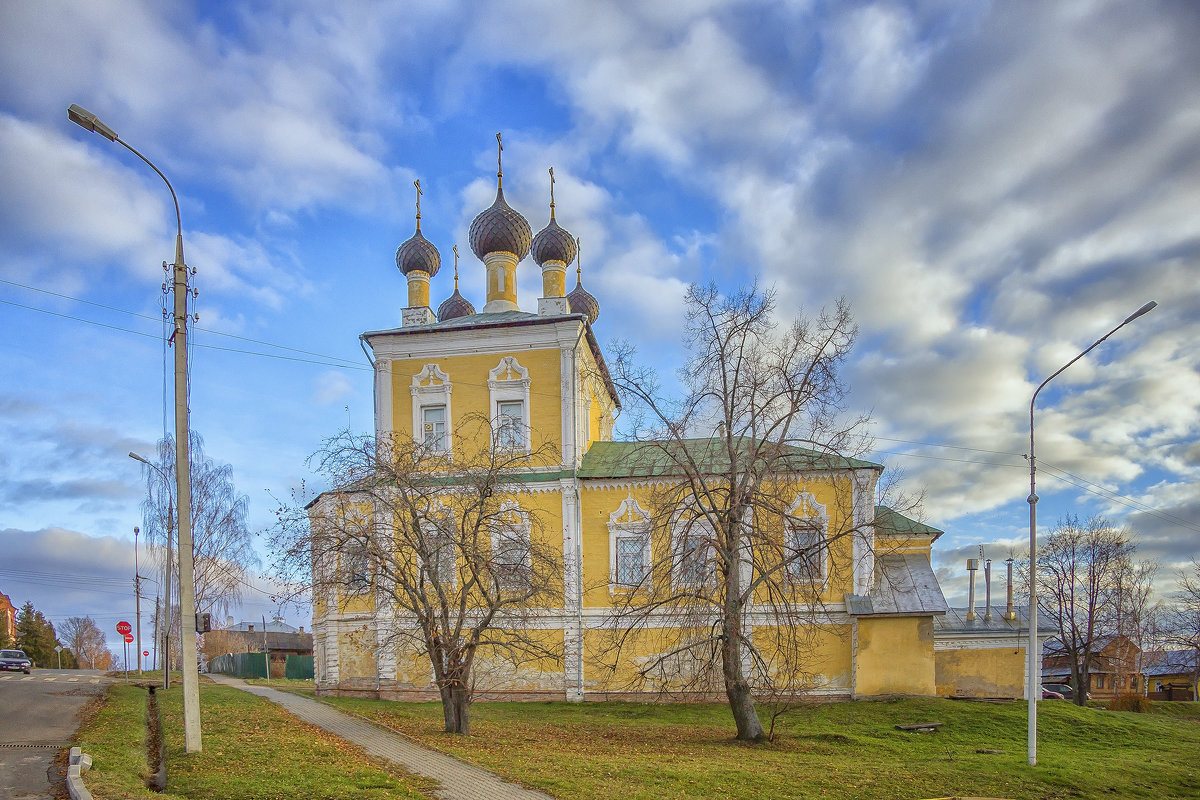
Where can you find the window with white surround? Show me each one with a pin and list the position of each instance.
(437, 551)
(691, 549)
(431, 390)
(629, 546)
(511, 556)
(806, 533)
(508, 386)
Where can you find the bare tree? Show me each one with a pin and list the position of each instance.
(734, 538)
(1135, 616)
(221, 540)
(1080, 566)
(455, 565)
(85, 639)
(1181, 620)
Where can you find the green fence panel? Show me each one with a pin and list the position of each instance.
(299, 668)
(250, 665)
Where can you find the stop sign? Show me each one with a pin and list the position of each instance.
(124, 627)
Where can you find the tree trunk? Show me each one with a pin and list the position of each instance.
(737, 687)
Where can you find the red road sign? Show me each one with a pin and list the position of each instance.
(124, 627)
(128, 637)
(145, 652)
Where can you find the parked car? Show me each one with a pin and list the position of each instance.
(15, 661)
(1047, 694)
(1062, 688)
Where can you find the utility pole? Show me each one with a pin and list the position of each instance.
(137, 598)
(183, 476)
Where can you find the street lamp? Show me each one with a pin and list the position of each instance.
(187, 585)
(166, 629)
(1034, 668)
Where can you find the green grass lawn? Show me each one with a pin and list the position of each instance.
(252, 749)
(625, 751)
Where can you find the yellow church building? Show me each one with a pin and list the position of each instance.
(540, 376)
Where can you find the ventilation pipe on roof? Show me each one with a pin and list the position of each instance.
(987, 584)
(972, 566)
(1009, 613)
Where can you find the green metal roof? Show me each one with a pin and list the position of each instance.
(892, 523)
(654, 458)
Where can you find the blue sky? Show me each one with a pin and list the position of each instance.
(992, 185)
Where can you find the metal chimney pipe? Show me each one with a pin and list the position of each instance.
(987, 583)
(1009, 613)
(972, 566)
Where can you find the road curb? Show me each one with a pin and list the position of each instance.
(80, 762)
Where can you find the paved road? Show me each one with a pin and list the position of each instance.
(38, 717)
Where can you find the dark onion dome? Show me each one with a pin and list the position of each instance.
(418, 253)
(500, 229)
(553, 243)
(581, 301)
(455, 306)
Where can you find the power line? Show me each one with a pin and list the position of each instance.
(347, 362)
(1057, 472)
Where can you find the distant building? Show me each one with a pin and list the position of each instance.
(1171, 674)
(1113, 669)
(278, 638)
(8, 621)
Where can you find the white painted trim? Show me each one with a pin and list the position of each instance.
(385, 419)
(863, 546)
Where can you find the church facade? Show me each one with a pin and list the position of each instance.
(540, 376)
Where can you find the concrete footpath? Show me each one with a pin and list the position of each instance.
(459, 781)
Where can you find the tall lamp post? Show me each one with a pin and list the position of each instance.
(187, 585)
(1034, 668)
(166, 628)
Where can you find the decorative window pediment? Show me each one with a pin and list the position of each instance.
(508, 385)
(432, 418)
(806, 535)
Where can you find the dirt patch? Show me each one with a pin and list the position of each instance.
(155, 746)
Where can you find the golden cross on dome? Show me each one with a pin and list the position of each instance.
(419, 193)
(552, 191)
(455, 249)
(499, 153)
(578, 261)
